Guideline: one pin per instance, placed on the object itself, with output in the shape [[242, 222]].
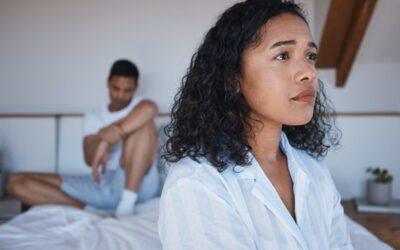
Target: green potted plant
[[379, 190]]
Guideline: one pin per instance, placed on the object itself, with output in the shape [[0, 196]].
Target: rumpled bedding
[[69, 228]]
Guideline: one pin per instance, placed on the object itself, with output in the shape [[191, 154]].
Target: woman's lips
[[307, 95]]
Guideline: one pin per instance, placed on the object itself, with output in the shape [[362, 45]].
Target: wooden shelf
[[385, 226]]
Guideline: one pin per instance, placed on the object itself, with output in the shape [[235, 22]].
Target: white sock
[[126, 205], [98, 211]]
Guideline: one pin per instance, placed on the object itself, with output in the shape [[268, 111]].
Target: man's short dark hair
[[124, 67]]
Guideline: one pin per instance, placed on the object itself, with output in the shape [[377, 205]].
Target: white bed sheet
[[68, 228]]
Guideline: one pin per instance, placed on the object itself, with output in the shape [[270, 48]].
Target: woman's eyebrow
[[291, 42], [312, 45], [281, 43]]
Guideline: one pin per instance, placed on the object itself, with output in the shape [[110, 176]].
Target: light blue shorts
[[107, 193]]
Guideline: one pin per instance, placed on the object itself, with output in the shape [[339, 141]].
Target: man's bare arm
[[90, 144], [143, 113]]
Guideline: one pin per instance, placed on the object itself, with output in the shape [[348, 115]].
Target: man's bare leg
[[139, 152], [35, 189]]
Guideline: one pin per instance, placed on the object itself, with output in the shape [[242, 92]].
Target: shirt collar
[[252, 171], [266, 193]]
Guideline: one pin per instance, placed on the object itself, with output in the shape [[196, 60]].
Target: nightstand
[[385, 226], [9, 208]]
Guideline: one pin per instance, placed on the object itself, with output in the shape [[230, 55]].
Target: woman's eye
[[312, 56], [282, 56]]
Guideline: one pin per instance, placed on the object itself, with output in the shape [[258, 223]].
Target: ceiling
[[382, 39], [381, 42]]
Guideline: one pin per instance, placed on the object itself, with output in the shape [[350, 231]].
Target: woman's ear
[[236, 85]]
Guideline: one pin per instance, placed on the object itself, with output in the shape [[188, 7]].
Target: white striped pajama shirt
[[203, 209]]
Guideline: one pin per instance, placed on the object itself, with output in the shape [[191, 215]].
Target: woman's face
[[279, 79]]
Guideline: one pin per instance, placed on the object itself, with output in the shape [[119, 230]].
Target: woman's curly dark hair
[[210, 117]]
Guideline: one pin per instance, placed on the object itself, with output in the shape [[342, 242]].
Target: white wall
[[55, 55]]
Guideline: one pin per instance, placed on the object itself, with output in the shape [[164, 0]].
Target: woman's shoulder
[[192, 172]]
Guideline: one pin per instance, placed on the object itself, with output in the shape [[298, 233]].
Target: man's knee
[[145, 138], [149, 129]]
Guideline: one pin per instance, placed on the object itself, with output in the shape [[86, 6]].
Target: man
[[119, 144]]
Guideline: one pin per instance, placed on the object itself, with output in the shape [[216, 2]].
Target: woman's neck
[[264, 141]]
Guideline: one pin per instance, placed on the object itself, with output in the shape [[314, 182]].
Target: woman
[[246, 140]]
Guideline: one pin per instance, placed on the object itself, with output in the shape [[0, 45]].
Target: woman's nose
[[305, 72]]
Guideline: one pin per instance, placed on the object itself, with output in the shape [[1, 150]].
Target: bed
[[69, 228]]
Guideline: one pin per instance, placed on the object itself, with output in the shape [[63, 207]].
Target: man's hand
[[100, 158], [111, 134]]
